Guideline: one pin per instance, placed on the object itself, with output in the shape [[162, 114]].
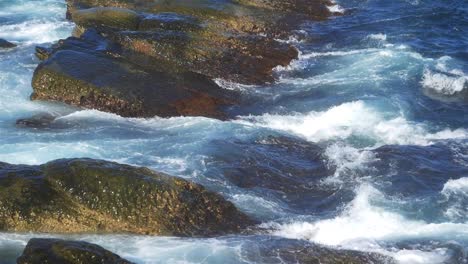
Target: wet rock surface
[[43, 120], [84, 195], [166, 54], [289, 168], [86, 72], [274, 250], [6, 44], [57, 251]]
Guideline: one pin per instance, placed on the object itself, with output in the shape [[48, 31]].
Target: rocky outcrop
[[57, 251], [84, 195], [166, 54], [6, 44], [87, 72]]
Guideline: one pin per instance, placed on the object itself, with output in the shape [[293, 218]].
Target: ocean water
[[362, 143]]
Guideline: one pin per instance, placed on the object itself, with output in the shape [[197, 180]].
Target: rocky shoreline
[[138, 58]]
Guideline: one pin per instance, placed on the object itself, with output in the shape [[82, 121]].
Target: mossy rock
[[119, 18], [243, 59], [57, 251], [313, 9], [95, 196], [81, 73], [213, 38], [169, 21]]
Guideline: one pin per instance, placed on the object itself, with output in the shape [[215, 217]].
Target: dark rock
[[419, 170], [43, 53], [57, 251], [279, 250], [84, 195], [37, 121], [81, 74], [289, 169], [6, 45]]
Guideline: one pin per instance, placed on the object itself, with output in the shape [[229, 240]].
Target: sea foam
[[355, 119], [364, 225], [445, 77]]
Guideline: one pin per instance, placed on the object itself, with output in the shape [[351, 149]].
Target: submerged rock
[[37, 121], [57, 251], [84, 195], [279, 250], [6, 44], [286, 169]]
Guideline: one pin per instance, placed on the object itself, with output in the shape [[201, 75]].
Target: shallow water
[[362, 144]]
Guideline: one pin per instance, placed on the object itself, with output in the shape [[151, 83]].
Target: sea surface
[[362, 143]]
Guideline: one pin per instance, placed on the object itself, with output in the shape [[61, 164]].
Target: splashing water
[[362, 143]]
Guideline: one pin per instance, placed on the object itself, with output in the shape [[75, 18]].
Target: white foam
[[293, 39], [43, 8], [258, 206], [234, 86], [336, 8], [337, 53], [443, 83], [456, 193], [36, 31], [379, 36], [446, 79], [363, 225], [456, 186], [407, 256], [354, 119], [347, 161]]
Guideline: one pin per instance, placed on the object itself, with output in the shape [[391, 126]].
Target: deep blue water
[[362, 143]]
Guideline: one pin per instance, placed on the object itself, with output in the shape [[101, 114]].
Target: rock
[[37, 121], [243, 59], [273, 249], [84, 73], [147, 58], [6, 45], [290, 170], [206, 37], [57, 251], [85, 195], [169, 21], [314, 9], [42, 53], [118, 18]]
